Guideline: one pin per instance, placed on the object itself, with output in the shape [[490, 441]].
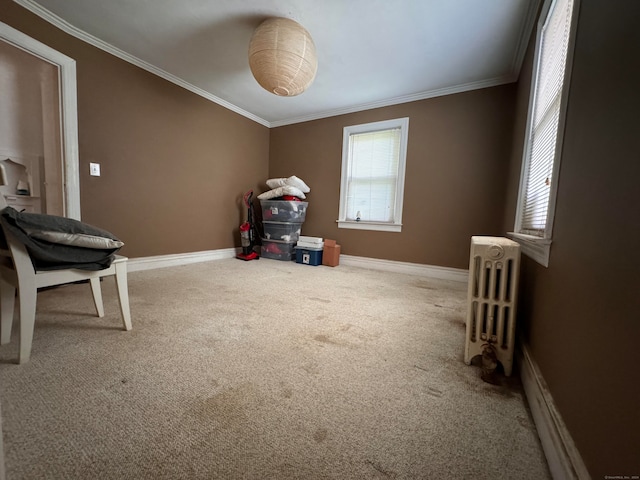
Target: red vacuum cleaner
[[248, 231]]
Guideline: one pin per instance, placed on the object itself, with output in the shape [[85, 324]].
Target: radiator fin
[[494, 265]]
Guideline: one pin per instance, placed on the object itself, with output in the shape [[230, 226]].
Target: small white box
[[311, 245], [314, 240]]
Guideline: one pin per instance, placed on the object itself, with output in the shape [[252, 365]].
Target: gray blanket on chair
[[32, 228]]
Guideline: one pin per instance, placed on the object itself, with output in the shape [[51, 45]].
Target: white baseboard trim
[[431, 271], [162, 261], [562, 455]]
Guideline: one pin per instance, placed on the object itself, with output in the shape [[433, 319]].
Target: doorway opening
[[52, 164]]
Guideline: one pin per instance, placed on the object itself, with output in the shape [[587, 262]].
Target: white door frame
[[68, 111]]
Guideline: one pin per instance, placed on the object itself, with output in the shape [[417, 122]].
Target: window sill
[[378, 226], [534, 247]]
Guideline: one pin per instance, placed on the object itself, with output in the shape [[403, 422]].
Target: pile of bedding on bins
[[283, 212]]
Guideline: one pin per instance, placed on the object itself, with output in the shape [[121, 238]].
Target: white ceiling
[[371, 53]]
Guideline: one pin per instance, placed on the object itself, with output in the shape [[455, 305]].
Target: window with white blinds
[[534, 216], [373, 166]]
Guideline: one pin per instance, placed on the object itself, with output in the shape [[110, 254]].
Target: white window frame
[[539, 247], [396, 224]]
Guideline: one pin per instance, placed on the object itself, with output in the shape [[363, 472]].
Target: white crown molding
[[439, 92], [563, 457], [96, 42], [431, 271], [50, 17], [528, 24]]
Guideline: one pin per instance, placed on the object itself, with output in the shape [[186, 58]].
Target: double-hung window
[[373, 168], [545, 123]]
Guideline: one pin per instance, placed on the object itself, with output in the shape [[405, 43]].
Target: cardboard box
[[331, 253]]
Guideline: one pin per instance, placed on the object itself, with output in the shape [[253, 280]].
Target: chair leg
[[97, 295], [123, 294], [27, 297], [7, 306]]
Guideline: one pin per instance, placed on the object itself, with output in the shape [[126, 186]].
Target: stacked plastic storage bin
[[282, 223]]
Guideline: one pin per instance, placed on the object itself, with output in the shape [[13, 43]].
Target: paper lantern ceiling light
[[282, 57]]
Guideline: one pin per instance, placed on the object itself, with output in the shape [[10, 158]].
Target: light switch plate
[[94, 169]]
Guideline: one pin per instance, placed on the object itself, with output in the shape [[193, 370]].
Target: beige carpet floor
[[261, 370]]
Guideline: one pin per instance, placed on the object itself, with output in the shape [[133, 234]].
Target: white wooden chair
[[17, 272]]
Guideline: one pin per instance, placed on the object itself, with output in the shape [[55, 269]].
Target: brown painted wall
[[174, 165], [581, 315], [458, 149]]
